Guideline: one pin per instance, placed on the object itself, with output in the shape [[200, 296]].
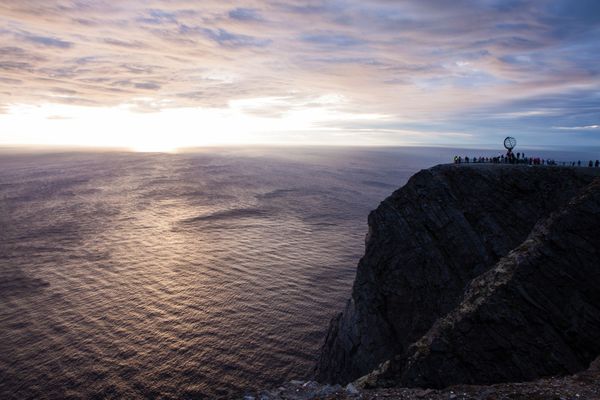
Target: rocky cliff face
[[413, 301], [536, 313]]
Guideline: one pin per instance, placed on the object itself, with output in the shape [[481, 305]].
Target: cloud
[[10, 81], [158, 17], [147, 86], [578, 128], [13, 52], [245, 14], [331, 39], [49, 41], [226, 38], [15, 66], [124, 43], [521, 65], [57, 117], [313, 8]]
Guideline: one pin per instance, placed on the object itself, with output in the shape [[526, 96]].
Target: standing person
[[597, 163]]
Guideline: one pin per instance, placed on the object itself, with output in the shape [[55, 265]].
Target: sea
[[206, 273]]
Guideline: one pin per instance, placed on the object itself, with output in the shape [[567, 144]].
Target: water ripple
[[175, 276]]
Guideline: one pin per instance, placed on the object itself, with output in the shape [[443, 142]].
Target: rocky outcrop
[[536, 313], [426, 243]]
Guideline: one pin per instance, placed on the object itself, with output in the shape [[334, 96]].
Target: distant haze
[[160, 75]]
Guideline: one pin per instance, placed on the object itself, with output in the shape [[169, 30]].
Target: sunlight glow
[[248, 121]]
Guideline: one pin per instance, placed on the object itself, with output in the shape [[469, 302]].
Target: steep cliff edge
[[426, 243], [536, 313]]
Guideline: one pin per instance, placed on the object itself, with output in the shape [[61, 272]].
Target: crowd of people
[[520, 158]]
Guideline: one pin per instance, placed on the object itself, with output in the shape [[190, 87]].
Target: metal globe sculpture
[[510, 143]]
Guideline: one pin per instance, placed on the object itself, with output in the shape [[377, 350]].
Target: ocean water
[[192, 275]]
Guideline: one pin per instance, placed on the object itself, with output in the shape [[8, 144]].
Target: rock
[[426, 242], [535, 313], [311, 385], [327, 390], [585, 384], [352, 390], [423, 393]]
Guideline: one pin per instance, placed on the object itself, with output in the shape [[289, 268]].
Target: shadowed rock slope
[[536, 313], [429, 240]]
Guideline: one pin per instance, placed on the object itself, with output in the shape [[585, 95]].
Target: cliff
[[474, 274]]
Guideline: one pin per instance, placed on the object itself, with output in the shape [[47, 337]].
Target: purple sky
[[184, 73]]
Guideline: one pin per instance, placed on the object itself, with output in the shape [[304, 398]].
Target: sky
[[163, 74]]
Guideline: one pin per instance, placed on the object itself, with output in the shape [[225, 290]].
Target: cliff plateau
[[474, 274]]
